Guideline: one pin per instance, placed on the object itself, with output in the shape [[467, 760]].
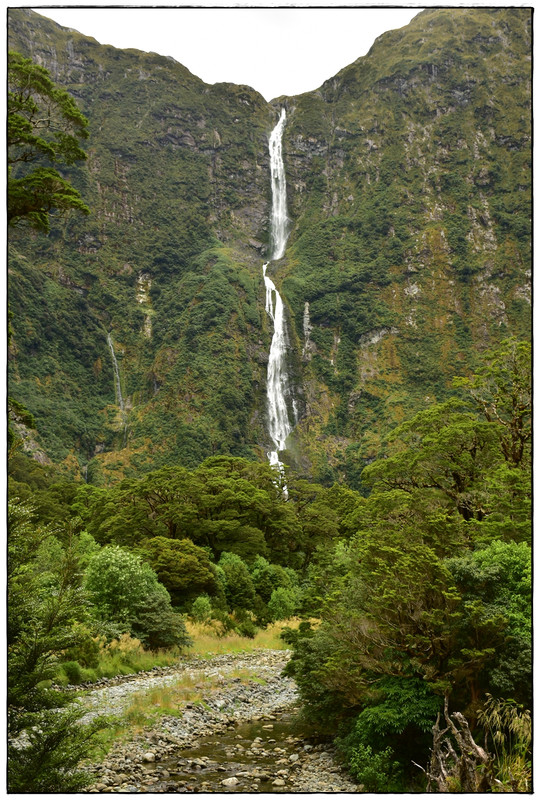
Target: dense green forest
[[398, 536]]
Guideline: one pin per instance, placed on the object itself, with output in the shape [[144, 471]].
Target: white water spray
[[279, 426], [279, 220]]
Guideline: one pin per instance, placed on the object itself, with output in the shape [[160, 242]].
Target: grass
[[208, 642], [126, 655], [123, 656]]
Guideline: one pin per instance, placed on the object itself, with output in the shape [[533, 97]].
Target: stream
[[244, 736]]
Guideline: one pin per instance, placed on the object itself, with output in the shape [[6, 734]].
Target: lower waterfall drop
[[279, 426]]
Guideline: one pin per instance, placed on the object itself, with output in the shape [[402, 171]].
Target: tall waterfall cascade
[[279, 424]]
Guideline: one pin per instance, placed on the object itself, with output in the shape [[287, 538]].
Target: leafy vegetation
[[43, 123], [144, 527], [430, 597]]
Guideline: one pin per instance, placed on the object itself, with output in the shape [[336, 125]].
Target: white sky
[[275, 50]]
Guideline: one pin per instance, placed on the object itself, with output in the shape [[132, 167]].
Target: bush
[[73, 672], [282, 603], [157, 625], [239, 588], [374, 770], [118, 582], [86, 652], [247, 628], [201, 610], [225, 620]]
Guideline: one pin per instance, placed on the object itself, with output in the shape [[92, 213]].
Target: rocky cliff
[[408, 188]]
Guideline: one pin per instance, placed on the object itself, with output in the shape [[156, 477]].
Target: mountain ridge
[[170, 261]]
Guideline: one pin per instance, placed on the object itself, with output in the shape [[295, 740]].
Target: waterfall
[[279, 426], [117, 387], [279, 220]]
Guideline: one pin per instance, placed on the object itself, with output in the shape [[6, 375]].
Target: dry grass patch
[[209, 640]]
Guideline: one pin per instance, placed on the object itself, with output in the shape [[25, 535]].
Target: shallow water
[[254, 753]]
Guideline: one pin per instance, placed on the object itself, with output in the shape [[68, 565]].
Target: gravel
[[145, 763]]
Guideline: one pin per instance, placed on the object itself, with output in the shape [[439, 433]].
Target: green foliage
[[86, 653], [375, 771], [429, 595], [239, 588], [43, 123], [201, 608], [72, 670], [283, 603], [225, 504], [495, 630], [157, 625], [247, 628], [119, 583], [182, 567], [48, 760], [44, 607]]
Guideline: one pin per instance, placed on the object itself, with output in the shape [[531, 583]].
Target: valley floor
[[241, 734]]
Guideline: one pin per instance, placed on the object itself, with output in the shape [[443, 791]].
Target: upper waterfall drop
[[279, 425], [279, 223]]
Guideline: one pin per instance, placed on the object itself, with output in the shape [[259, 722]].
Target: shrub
[[282, 603], [376, 771], [158, 625], [239, 588], [201, 610], [118, 582], [73, 672], [85, 652], [247, 628]]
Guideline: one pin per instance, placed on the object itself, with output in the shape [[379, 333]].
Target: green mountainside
[[408, 180]]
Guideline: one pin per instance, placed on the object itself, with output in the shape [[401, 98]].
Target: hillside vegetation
[[142, 509], [408, 187]]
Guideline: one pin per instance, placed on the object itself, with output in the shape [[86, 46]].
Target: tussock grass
[[208, 639], [123, 656]]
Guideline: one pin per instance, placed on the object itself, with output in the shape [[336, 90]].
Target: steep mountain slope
[[411, 198], [408, 190], [176, 180]]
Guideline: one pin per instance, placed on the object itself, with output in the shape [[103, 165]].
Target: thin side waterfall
[[118, 387], [279, 425]]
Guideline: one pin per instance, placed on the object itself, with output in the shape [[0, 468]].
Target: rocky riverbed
[[242, 736]]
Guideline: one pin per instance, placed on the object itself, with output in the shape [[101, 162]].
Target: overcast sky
[[275, 50]]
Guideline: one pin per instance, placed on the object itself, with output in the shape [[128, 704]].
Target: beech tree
[[44, 126]]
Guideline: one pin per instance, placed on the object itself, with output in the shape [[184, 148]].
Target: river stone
[[149, 757], [230, 781], [294, 757], [278, 782]]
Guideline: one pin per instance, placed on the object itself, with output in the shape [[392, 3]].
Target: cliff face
[[408, 188], [411, 196]]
